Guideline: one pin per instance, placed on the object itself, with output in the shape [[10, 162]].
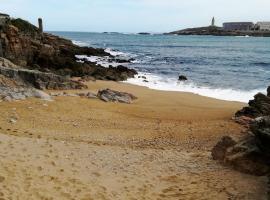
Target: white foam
[[120, 54], [103, 61], [80, 43], [160, 83]]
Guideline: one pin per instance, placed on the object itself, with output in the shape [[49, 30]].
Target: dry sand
[[156, 148]]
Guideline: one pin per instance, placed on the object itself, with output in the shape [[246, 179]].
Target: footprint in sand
[[2, 179]]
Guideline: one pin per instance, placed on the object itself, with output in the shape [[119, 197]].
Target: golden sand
[[156, 148]]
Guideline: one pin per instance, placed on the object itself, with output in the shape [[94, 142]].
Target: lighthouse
[[213, 21]]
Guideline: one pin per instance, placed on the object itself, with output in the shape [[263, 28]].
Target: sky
[[134, 15]]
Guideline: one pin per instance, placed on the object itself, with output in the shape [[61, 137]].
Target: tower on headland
[[213, 21], [40, 25]]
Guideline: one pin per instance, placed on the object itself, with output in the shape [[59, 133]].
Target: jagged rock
[[182, 78], [261, 129], [39, 79], [246, 157], [243, 156], [258, 107], [243, 120], [25, 46], [115, 96]]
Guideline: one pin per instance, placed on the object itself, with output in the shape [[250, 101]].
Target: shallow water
[[229, 68]]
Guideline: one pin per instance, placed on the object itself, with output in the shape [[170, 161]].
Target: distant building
[[213, 21], [3, 19], [238, 26], [263, 26]]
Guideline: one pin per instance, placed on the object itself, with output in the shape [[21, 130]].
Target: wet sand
[[156, 148]]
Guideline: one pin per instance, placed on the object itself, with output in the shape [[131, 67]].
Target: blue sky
[[134, 15]]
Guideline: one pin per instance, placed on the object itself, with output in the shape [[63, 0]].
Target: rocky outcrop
[[17, 83], [115, 96], [252, 153], [261, 130], [25, 46], [258, 107], [11, 89], [40, 80]]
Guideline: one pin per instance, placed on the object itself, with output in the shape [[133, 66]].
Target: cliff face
[[24, 45]]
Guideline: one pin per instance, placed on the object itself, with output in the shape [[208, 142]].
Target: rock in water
[[182, 78], [115, 96]]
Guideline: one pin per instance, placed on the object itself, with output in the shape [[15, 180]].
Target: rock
[[24, 45], [243, 156], [219, 151], [42, 95], [258, 107], [12, 121], [243, 120], [246, 157], [268, 91], [261, 129], [182, 78], [40, 80], [115, 96], [91, 95]]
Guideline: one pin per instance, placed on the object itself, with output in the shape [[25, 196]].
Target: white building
[[263, 26]]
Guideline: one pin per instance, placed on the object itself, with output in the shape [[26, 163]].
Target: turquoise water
[[232, 67]]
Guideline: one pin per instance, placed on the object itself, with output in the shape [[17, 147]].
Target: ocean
[[227, 68]]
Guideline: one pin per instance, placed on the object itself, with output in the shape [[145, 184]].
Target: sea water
[[228, 68]]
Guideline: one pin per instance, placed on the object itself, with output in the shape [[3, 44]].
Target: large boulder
[[261, 129], [109, 95]]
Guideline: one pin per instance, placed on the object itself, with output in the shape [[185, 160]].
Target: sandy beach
[[156, 148]]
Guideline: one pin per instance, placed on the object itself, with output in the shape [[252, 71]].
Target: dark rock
[[182, 78], [246, 157], [243, 156], [24, 45], [219, 151], [258, 107], [144, 33], [268, 91], [261, 129], [243, 120], [115, 96]]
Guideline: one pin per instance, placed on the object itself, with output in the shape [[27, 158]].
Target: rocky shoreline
[[35, 60]]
